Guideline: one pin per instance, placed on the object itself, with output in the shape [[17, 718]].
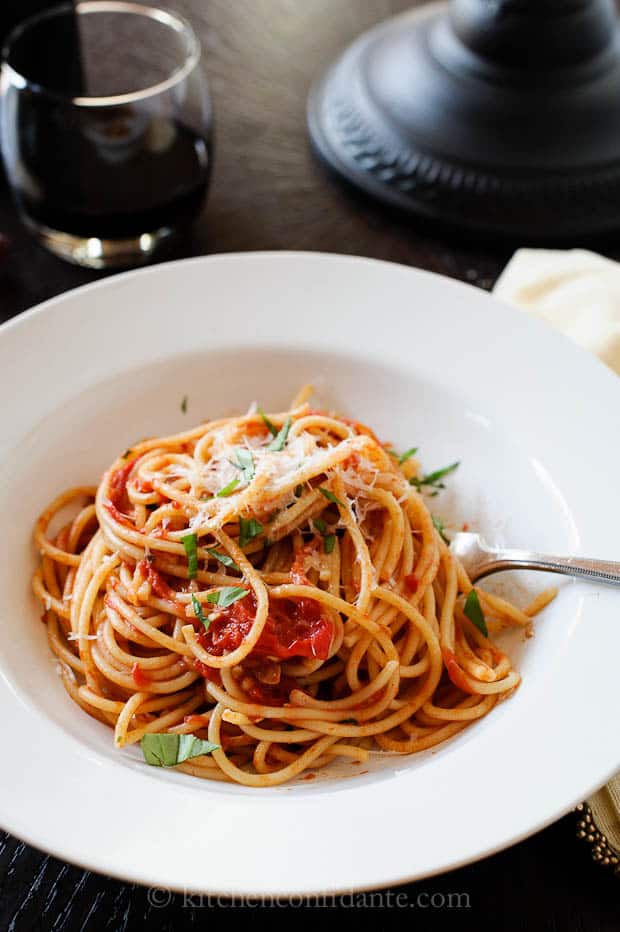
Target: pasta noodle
[[275, 586]]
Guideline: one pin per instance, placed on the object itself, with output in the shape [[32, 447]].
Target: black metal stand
[[501, 116]]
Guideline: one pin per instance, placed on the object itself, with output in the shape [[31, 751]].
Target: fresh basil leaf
[[473, 611], [433, 479], [268, 424], [440, 528], [226, 596], [224, 559], [244, 462], [279, 440], [329, 540], [198, 612], [168, 750], [407, 456], [248, 529], [330, 496], [229, 489], [190, 542], [191, 746], [184, 401]]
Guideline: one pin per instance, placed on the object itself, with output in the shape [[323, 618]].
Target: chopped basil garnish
[[190, 542], [407, 456], [473, 611], [167, 750], [184, 404], [244, 462], [440, 528], [433, 479], [329, 540], [249, 528], [298, 490], [268, 424], [224, 559], [198, 612], [401, 457], [226, 596], [229, 489], [279, 440], [330, 496], [127, 454]]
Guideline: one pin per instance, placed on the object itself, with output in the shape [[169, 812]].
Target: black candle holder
[[500, 116]]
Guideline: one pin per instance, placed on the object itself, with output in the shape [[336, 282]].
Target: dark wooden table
[[268, 192]]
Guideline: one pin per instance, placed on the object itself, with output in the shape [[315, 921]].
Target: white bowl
[[426, 361]]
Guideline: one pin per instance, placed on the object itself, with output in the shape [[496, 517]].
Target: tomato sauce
[[118, 486], [118, 501], [309, 610], [209, 673], [143, 485], [139, 677], [268, 694], [196, 721], [454, 671], [158, 584], [118, 516], [294, 628]]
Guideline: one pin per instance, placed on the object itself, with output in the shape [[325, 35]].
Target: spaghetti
[[275, 587]]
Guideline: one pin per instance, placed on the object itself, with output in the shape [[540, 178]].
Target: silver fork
[[481, 560]]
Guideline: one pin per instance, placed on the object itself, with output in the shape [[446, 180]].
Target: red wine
[[109, 172], [114, 181]]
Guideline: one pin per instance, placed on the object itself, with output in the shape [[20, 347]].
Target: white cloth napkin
[[578, 293]]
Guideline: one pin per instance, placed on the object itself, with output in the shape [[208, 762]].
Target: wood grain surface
[[268, 192]]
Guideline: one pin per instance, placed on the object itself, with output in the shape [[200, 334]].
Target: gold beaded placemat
[[599, 825]]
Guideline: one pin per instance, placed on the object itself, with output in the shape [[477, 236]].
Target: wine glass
[[105, 128]]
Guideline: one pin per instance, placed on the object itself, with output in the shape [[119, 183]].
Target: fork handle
[[603, 571]]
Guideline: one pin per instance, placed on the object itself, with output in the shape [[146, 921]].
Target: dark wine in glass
[[107, 141]]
